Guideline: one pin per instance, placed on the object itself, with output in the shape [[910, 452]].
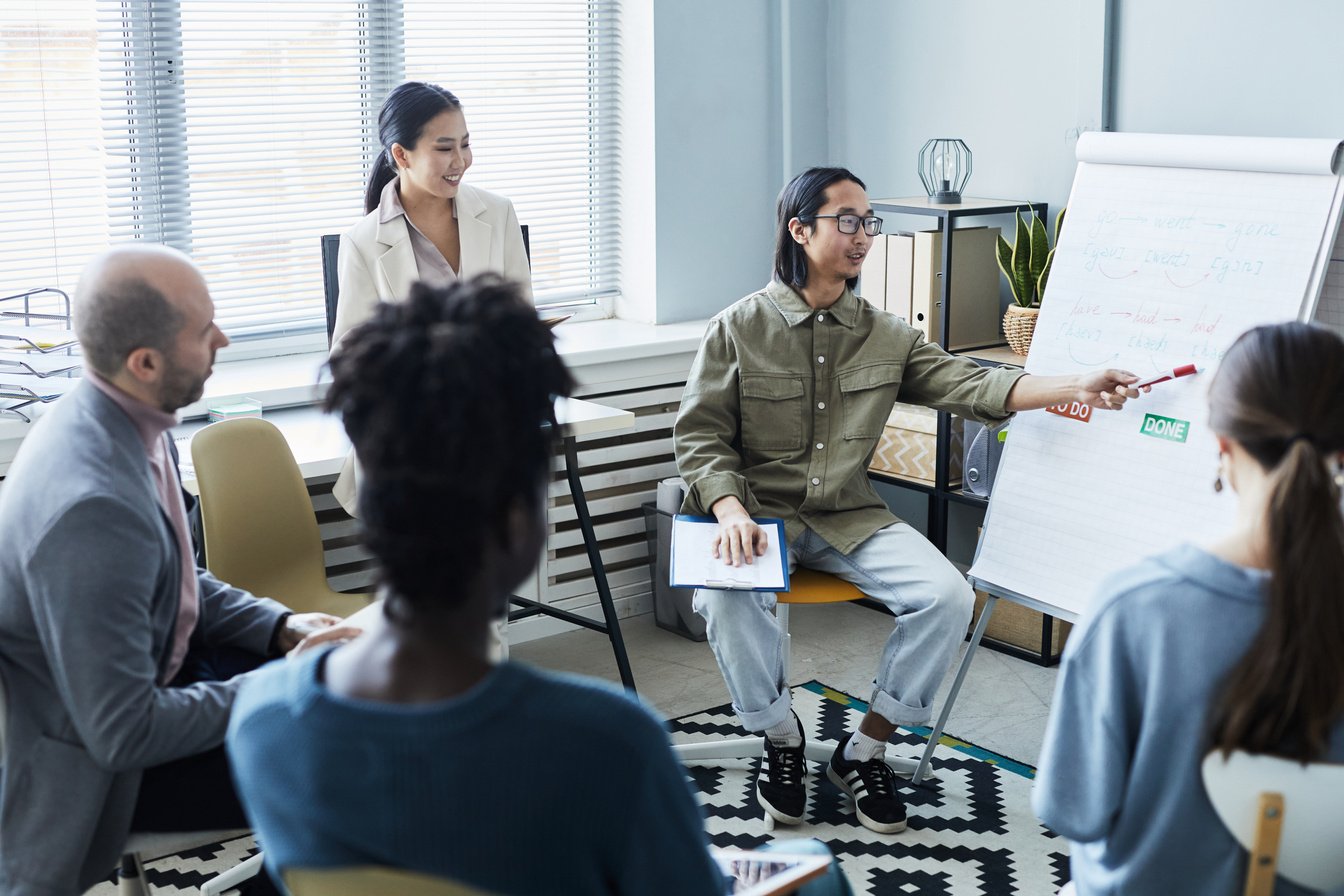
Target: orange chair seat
[[807, 586]]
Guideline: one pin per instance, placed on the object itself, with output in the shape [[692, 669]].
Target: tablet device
[[767, 873]]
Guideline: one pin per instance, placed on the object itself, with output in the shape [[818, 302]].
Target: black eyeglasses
[[872, 225]]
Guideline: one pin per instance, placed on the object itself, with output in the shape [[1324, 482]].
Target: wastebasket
[[671, 606]]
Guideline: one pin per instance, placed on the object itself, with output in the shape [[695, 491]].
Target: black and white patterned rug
[[971, 830], [184, 872]]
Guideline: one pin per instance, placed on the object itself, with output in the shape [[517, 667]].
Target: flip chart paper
[[1156, 267]]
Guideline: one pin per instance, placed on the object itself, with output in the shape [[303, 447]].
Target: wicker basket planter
[[1018, 325]]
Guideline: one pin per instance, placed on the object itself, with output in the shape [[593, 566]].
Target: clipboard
[[693, 566]]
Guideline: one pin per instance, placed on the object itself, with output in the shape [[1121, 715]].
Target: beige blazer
[[377, 264]]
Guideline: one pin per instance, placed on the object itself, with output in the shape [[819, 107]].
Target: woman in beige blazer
[[422, 222]]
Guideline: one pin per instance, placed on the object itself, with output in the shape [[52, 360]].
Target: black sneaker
[[872, 784], [781, 784]]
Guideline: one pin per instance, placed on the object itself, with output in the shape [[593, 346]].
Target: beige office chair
[[365, 881], [260, 530], [806, 586], [1287, 815]]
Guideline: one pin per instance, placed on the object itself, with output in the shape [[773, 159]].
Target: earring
[[1218, 479]]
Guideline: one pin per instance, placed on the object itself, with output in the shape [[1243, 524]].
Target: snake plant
[[1026, 263]]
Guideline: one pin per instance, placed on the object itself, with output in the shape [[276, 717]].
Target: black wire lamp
[[944, 167]]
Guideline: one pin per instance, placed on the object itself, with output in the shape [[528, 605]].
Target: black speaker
[[981, 459]]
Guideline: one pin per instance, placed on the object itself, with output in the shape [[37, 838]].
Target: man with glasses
[[784, 406]]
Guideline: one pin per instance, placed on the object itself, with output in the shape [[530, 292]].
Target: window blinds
[[538, 85], [234, 131], [242, 130], [53, 218]]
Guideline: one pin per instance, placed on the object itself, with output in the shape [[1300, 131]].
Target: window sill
[[302, 378], [604, 355]]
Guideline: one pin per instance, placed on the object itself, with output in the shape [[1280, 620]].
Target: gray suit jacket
[[89, 593]]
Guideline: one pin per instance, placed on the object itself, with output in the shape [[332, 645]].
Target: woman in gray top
[[1230, 647]]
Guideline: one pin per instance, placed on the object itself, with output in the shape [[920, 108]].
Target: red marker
[[1183, 370]]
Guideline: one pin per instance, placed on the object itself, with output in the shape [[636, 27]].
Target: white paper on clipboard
[[695, 566]]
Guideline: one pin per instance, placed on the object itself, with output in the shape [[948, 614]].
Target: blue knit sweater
[[530, 783]]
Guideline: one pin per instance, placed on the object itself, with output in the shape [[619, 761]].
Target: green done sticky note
[[1168, 428]]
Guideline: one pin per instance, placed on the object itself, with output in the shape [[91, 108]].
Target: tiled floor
[[1002, 707]]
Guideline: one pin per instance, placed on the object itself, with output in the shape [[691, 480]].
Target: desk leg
[[922, 769], [595, 561]]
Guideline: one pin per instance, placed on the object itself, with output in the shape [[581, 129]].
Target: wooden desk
[[319, 445], [317, 441]]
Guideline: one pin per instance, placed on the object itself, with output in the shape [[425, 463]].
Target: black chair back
[[331, 246]]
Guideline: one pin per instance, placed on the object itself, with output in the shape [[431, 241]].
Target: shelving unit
[[941, 495], [39, 358]]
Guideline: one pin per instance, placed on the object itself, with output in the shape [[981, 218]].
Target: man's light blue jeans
[[932, 603]]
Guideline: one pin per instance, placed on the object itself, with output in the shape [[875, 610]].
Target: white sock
[[862, 748], [786, 733]]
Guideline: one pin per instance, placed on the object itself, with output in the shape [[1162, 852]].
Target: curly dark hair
[[448, 400]]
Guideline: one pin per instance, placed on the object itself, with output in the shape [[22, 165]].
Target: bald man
[[115, 649]]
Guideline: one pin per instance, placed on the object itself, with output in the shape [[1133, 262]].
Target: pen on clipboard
[[1183, 370]]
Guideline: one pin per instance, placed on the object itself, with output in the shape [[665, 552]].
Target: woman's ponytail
[[1277, 395], [405, 112], [379, 175]]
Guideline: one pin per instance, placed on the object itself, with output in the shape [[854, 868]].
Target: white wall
[[862, 89], [1237, 67], [1004, 77], [717, 130], [719, 110], [806, 127], [871, 80]]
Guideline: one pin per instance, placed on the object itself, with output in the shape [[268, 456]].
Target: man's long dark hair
[[801, 199], [448, 400]]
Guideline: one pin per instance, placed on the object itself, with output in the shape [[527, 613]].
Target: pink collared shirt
[[433, 268], [153, 424]]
